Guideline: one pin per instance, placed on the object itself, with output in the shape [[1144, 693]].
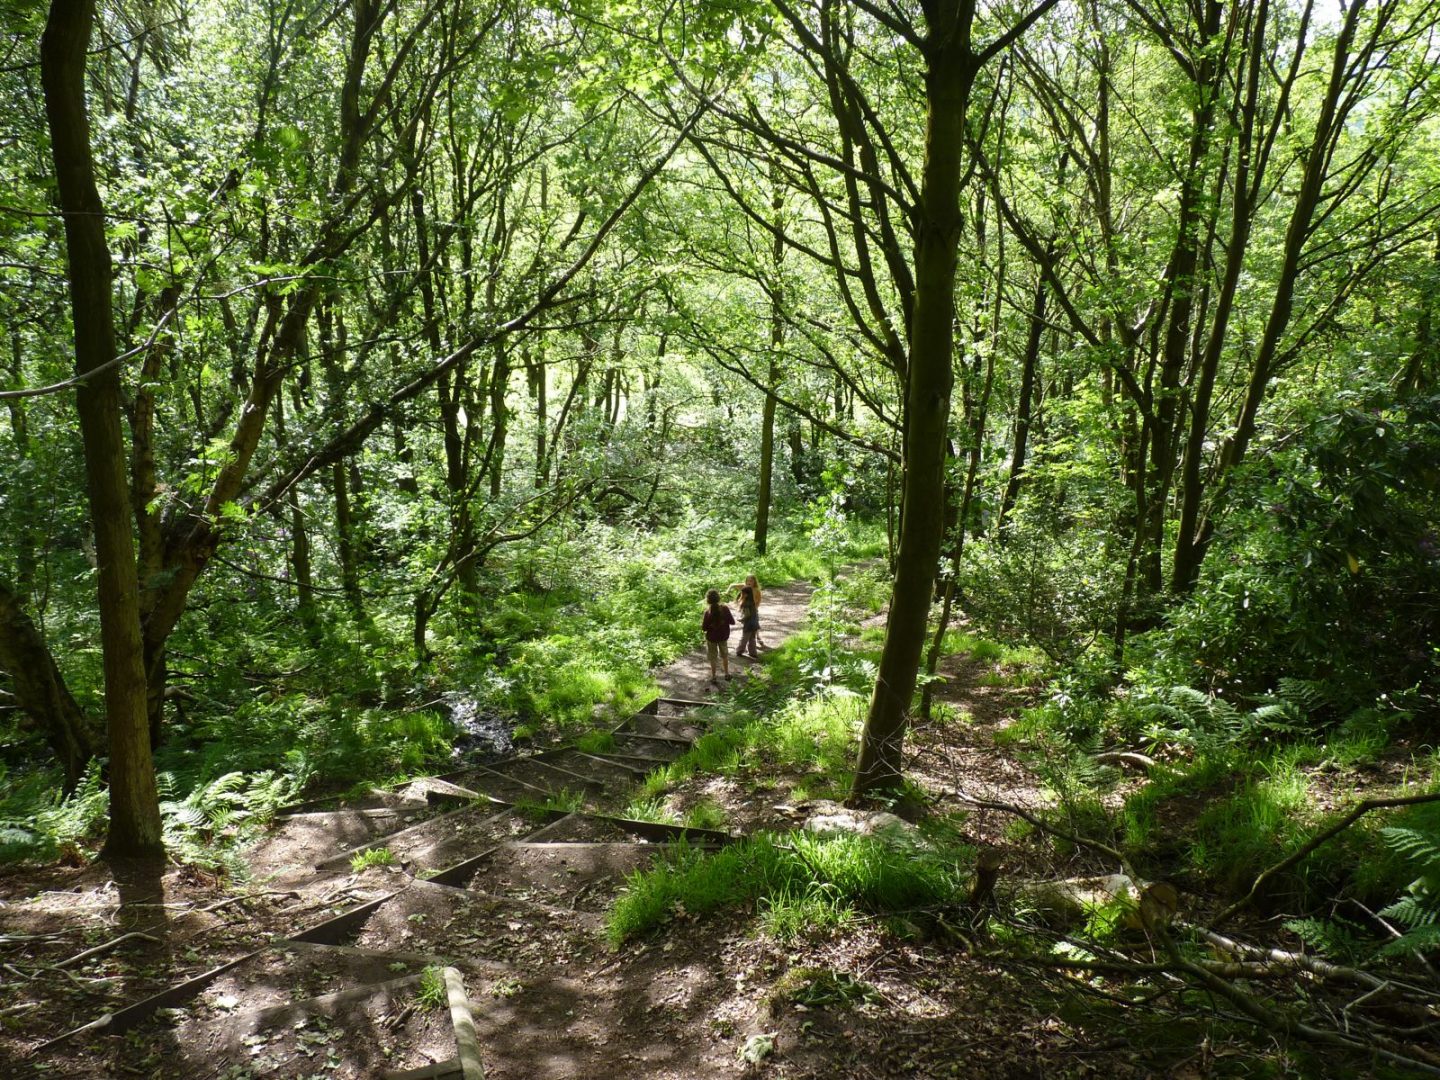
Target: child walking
[[749, 623], [754, 587], [716, 625]]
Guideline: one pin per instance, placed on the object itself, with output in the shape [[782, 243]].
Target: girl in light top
[[749, 623], [754, 587]]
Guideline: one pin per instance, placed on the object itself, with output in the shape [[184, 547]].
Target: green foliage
[[705, 814], [563, 801], [206, 828], [1047, 583], [432, 993], [36, 824], [815, 737], [792, 879], [372, 857], [208, 825], [650, 809], [595, 742], [1418, 909], [817, 988], [1329, 570]]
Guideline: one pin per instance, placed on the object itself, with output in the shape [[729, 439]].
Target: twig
[[1359, 811], [1044, 826], [1395, 935], [101, 949], [1127, 757]]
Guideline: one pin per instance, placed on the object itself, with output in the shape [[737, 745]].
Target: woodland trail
[[478, 899]]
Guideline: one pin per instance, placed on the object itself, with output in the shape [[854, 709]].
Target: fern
[[1416, 939], [1419, 908], [1417, 846], [1333, 938], [209, 825]]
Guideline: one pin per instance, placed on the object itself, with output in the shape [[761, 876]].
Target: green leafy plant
[[432, 993], [1418, 909], [372, 857]]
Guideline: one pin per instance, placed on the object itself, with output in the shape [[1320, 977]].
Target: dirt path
[[782, 612]]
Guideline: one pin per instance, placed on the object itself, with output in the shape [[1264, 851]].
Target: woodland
[[386, 383]]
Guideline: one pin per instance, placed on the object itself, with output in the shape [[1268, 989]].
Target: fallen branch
[[1360, 810], [1046, 827], [1279, 1019], [1321, 969], [1143, 762], [100, 950]]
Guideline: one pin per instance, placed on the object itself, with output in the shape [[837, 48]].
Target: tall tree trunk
[[767, 416], [345, 540], [499, 417], [1189, 546], [948, 78], [1029, 363], [767, 462], [134, 804], [541, 377], [1333, 112]]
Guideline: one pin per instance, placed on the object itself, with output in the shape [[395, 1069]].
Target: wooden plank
[[122, 1020], [467, 1045], [390, 840]]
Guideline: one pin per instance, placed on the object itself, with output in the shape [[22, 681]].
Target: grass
[[797, 881], [432, 993], [595, 742], [706, 814], [816, 737], [364, 860], [650, 809]]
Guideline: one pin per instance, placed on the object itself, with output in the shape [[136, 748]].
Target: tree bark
[[1029, 364], [40, 690], [948, 79], [134, 805]]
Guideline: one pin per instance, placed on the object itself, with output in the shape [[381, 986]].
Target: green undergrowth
[[814, 739], [795, 882], [564, 801], [1236, 789], [581, 623], [206, 827]]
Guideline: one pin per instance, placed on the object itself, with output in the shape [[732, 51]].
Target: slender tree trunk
[[1023, 409], [1189, 545], [949, 75], [345, 540], [1333, 111], [134, 804], [499, 417], [767, 463], [542, 465]]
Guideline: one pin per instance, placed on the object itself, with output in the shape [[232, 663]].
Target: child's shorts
[[714, 649]]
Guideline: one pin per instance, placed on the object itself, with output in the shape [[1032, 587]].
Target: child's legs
[[724, 647], [712, 649]]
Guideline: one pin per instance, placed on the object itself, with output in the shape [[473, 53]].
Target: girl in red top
[[716, 625]]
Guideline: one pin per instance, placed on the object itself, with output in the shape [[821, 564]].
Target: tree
[[134, 804]]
